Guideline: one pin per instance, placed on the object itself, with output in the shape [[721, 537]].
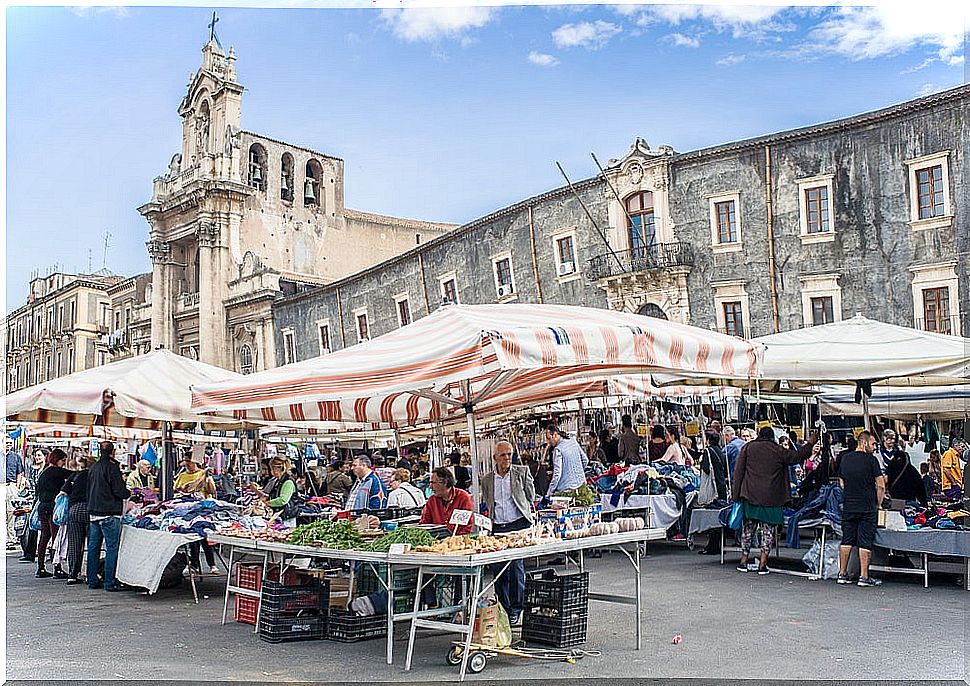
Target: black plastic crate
[[275, 628], [563, 593], [558, 632], [348, 627], [368, 581], [280, 599]]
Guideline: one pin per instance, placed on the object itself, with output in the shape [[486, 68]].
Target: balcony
[[187, 302], [946, 324], [639, 260]]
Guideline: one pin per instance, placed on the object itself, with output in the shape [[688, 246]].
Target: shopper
[[903, 482], [761, 484], [674, 453], [463, 477], [952, 475], [887, 449], [508, 494], [714, 464], [568, 461], [76, 489], [16, 478], [864, 487], [338, 483], [49, 484], [369, 493], [403, 493], [141, 476], [610, 446], [629, 447], [34, 467], [446, 498], [657, 445], [195, 481], [106, 501]]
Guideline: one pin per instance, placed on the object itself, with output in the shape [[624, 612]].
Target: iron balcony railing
[[656, 256]]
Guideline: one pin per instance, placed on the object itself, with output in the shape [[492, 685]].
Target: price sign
[[399, 548], [460, 517], [483, 522]]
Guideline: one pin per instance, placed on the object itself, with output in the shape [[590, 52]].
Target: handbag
[[60, 509], [34, 521], [731, 517]]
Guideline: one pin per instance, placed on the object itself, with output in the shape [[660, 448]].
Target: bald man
[[509, 493]]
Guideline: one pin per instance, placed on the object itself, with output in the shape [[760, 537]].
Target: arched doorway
[[652, 310]]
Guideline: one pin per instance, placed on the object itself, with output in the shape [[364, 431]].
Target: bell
[[257, 174], [308, 195], [285, 182]]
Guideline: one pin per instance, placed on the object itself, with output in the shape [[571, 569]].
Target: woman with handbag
[[49, 484], [76, 489]]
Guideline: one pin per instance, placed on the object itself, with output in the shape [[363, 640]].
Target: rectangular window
[[104, 314], [733, 319], [59, 368], [449, 291], [823, 311], [289, 347], [363, 332], [61, 324], [726, 222], [929, 182], [936, 310], [324, 333], [73, 306], [117, 320], [817, 209], [70, 360], [566, 251], [403, 312], [503, 272]]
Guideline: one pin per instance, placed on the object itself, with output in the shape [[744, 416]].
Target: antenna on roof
[[107, 242]]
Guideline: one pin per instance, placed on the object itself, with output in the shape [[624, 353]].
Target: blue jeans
[[510, 585], [109, 531]]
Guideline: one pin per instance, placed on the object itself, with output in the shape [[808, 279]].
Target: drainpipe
[[340, 319], [535, 257], [771, 241], [424, 285]]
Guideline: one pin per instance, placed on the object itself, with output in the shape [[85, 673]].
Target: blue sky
[[441, 114]]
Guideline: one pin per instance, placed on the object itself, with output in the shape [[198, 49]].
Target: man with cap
[[887, 449]]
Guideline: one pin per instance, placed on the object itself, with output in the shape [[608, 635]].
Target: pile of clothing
[[183, 515], [822, 505], [918, 517], [645, 479]]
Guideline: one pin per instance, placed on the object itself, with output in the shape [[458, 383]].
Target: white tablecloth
[[143, 555], [664, 507]]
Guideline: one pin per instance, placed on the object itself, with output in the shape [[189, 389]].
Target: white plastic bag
[[830, 560]]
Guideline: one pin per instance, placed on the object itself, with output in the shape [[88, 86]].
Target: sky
[[442, 114]]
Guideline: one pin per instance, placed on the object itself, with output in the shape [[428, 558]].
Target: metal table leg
[[472, 612], [390, 613], [926, 570], [225, 602], [414, 625], [636, 564]]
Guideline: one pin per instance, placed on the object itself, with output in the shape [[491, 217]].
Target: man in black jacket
[[106, 502]]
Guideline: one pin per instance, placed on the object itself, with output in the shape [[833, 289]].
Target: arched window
[[257, 166], [202, 141], [312, 184], [286, 177], [245, 359], [652, 310], [641, 227]]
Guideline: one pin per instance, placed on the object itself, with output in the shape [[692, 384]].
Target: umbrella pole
[[166, 482], [865, 411], [473, 449]]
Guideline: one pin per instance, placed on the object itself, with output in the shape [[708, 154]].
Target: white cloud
[[926, 89], [680, 40], [90, 11], [868, 32], [587, 34], [431, 24], [542, 59], [730, 60]]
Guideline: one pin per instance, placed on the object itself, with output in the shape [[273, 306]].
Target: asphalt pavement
[[733, 626]]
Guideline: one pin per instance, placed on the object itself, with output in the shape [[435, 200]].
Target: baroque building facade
[[240, 219], [867, 214], [59, 330]]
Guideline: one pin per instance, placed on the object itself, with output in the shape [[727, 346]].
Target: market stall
[[926, 543], [143, 556]]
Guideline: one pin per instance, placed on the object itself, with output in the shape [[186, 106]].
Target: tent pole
[[865, 411], [473, 449], [167, 477]]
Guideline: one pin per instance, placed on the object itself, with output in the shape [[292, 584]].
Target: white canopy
[[138, 392], [936, 402]]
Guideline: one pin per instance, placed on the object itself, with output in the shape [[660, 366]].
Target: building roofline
[[292, 145], [402, 222], [438, 240], [81, 280], [854, 121]]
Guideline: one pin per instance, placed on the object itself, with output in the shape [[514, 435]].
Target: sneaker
[[742, 567], [678, 537], [59, 574], [516, 619], [42, 574], [73, 581], [843, 580], [215, 571], [865, 581], [96, 586]]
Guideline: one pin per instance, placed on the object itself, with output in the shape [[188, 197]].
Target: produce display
[[581, 496], [411, 535], [337, 535], [620, 525]]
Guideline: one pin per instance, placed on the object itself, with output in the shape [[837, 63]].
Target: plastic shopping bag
[[60, 509], [731, 516], [492, 626], [34, 521]]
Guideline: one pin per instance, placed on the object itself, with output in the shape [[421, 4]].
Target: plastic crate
[[284, 599], [347, 627], [250, 576], [558, 632], [275, 628], [561, 593], [368, 582], [246, 609]]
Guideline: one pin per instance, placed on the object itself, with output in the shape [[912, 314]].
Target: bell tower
[[210, 114]]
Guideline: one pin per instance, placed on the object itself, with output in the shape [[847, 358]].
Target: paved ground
[[734, 626]]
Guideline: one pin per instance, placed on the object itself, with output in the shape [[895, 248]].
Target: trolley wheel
[[476, 662], [453, 657]]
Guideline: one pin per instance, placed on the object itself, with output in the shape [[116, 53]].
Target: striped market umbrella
[[462, 355]]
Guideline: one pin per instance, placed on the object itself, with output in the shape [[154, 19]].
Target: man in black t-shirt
[[864, 486]]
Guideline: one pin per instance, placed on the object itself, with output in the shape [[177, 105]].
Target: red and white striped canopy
[[144, 391], [416, 374]]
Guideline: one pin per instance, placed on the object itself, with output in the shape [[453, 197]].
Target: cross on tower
[[212, 26]]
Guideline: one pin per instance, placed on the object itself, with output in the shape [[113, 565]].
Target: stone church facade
[[867, 214], [241, 219]]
